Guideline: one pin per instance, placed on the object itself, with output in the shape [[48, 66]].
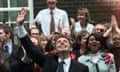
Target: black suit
[[49, 62]]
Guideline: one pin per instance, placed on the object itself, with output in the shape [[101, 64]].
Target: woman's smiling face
[[93, 44]]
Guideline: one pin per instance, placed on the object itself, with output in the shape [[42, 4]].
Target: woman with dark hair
[[95, 58]]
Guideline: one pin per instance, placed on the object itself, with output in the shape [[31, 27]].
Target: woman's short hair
[[86, 11]]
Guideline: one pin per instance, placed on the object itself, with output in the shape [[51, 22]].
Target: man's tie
[[97, 67], [60, 67], [6, 48], [52, 24]]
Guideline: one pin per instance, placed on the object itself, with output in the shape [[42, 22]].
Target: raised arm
[[115, 24], [31, 50], [113, 27], [21, 16], [110, 29]]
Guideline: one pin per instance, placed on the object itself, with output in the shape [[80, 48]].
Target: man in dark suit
[[50, 62], [2, 67], [11, 54]]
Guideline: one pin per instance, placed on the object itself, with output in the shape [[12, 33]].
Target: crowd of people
[[61, 45]]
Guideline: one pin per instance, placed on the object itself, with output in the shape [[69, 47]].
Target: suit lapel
[[13, 49], [71, 67], [55, 63], [51, 63], [74, 67], [4, 56], [17, 51]]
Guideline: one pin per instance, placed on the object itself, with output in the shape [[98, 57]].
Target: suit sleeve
[[33, 51]]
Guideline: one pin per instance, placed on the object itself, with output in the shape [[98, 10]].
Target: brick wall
[[100, 10]]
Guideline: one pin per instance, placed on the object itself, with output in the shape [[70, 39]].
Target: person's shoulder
[[83, 57], [78, 22], [110, 54], [43, 10], [79, 66], [77, 63], [89, 24]]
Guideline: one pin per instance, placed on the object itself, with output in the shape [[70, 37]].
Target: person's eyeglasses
[[101, 30], [51, 2]]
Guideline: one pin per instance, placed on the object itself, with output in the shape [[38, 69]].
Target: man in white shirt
[[44, 18]]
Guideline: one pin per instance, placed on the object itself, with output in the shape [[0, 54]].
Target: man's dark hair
[[7, 29]]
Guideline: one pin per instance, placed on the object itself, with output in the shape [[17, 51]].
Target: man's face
[[116, 40], [3, 36], [35, 33], [63, 45], [51, 3], [99, 29]]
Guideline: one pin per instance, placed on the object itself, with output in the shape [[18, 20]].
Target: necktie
[[6, 48], [60, 67], [52, 24], [97, 67]]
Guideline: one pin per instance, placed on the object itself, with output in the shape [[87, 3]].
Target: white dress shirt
[[44, 18], [66, 66], [9, 44], [78, 27]]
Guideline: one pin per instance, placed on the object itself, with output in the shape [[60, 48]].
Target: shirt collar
[[53, 9], [94, 57], [67, 60], [9, 43]]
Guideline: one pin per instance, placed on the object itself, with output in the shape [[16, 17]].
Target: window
[[9, 9]]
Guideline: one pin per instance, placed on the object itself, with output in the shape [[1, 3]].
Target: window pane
[[18, 3], [13, 15], [3, 3], [3, 16]]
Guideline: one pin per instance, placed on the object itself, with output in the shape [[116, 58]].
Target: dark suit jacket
[[50, 61], [2, 68], [13, 61]]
